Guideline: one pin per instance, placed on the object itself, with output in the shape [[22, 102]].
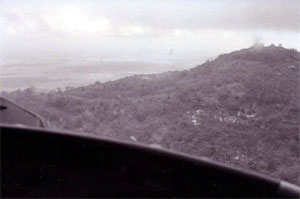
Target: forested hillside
[[241, 109]]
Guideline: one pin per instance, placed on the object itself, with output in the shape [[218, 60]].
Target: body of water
[[51, 73]]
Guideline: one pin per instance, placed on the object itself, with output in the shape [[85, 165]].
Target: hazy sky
[[140, 28]]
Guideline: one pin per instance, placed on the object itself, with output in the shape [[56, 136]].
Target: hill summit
[[241, 109]]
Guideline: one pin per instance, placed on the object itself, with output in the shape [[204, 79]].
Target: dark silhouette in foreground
[[241, 109]]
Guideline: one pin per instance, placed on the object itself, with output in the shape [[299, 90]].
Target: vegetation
[[241, 109]]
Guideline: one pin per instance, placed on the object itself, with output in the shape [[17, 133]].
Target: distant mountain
[[241, 109]]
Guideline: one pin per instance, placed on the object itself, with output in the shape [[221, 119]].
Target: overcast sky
[[143, 28]]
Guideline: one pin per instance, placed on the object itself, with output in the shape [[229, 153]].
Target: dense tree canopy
[[241, 109]]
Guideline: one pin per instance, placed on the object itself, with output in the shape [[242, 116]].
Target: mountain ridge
[[241, 108]]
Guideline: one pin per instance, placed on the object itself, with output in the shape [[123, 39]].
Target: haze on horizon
[[138, 30]]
